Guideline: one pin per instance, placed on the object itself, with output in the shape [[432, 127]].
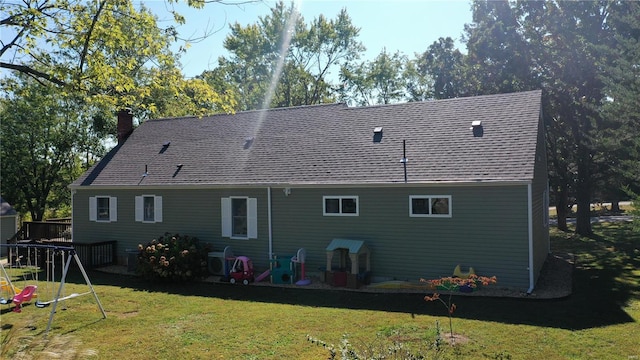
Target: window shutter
[[226, 216], [252, 218], [113, 208], [139, 208], [158, 208], [93, 208]]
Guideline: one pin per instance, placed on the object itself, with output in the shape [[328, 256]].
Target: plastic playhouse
[[349, 251]]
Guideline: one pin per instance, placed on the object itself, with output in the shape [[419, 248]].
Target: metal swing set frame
[[71, 255]]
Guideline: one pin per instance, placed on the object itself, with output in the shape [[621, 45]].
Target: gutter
[[530, 231]]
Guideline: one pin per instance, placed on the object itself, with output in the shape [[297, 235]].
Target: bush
[[172, 258]]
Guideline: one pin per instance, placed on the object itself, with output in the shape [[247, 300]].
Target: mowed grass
[[600, 320]]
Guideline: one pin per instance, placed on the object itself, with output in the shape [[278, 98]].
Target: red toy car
[[241, 271]]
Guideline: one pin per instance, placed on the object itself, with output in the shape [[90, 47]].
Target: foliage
[[109, 52], [452, 284], [563, 48], [283, 61], [48, 139], [380, 81], [445, 65], [379, 349], [172, 258]]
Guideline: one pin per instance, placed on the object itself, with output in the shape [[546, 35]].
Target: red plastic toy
[[241, 271]]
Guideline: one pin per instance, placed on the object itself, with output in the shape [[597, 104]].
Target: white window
[[340, 206], [103, 208], [149, 208], [239, 217], [430, 205]]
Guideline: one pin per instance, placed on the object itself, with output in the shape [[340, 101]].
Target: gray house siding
[[8, 228], [540, 206], [194, 212], [488, 230]]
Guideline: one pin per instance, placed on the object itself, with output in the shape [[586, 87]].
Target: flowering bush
[[452, 284], [172, 258]]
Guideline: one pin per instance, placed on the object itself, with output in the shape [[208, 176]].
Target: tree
[[108, 51], [559, 47], [45, 138], [620, 142], [283, 61], [380, 81], [73, 64], [445, 65]]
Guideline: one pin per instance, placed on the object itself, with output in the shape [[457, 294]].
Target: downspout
[[269, 220], [530, 231], [73, 192]]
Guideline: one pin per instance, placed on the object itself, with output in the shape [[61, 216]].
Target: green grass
[[213, 321]]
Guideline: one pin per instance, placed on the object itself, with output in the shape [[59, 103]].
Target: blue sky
[[408, 26]]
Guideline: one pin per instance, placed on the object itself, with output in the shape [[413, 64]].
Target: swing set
[[52, 255]]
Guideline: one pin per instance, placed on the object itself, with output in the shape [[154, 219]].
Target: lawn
[[202, 320]]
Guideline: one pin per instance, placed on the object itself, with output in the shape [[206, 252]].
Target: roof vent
[[165, 146], [248, 141], [377, 134], [476, 127]]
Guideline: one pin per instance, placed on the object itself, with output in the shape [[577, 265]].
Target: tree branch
[[30, 71], [85, 48]]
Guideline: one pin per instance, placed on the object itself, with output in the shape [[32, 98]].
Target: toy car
[[241, 271]]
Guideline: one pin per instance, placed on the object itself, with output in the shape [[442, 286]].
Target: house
[[425, 185], [8, 224]]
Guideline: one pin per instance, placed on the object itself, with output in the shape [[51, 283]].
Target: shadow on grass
[[603, 283]]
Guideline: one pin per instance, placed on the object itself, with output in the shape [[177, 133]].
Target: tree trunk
[[562, 206], [583, 195], [615, 206]]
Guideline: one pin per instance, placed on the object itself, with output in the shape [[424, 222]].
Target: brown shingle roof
[[333, 144]]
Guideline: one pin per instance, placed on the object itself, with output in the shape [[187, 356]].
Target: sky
[[408, 26]]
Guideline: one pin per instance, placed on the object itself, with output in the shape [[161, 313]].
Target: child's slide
[[263, 276]]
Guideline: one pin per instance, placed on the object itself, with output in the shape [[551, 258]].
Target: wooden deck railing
[[38, 230], [58, 233]]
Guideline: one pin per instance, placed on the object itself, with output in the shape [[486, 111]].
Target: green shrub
[[172, 258]]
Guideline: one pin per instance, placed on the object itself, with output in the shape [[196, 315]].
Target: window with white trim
[[340, 206], [430, 205], [239, 217], [148, 208], [103, 208]]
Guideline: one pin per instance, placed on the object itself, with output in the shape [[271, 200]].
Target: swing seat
[[24, 296]]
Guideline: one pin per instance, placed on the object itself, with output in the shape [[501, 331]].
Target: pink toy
[[242, 271], [263, 276], [25, 295]]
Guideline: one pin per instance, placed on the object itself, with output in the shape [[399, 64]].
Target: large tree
[[47, 141], [445, 66], [620, 142], [380, 81], [283, 61], [108, 51], [71, 65], [559, 47]]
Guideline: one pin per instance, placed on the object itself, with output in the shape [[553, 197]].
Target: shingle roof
[[6, 209], [333, 144]]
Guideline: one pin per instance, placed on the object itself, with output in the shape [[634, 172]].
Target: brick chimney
[[125, 124]]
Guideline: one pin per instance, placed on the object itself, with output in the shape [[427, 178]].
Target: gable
[[333, 144]]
